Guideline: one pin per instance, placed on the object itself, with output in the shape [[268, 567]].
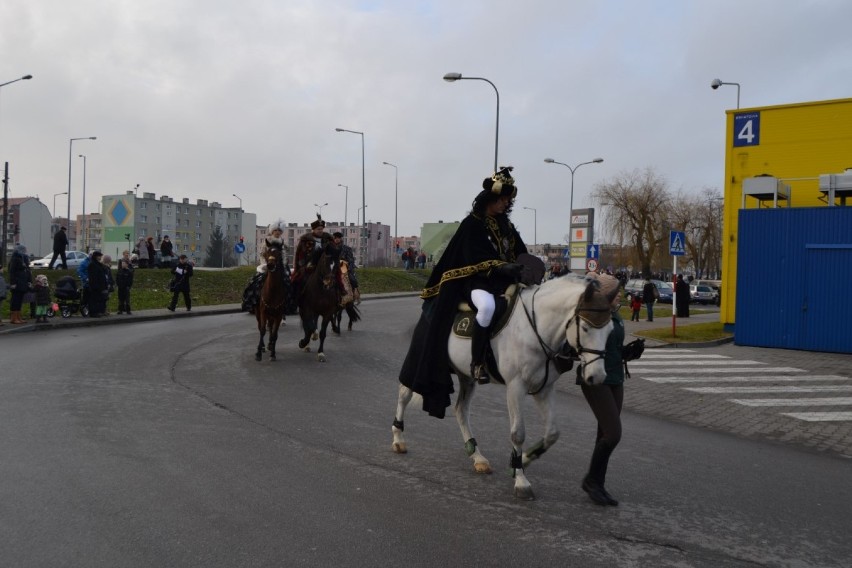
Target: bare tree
[[637, 205]]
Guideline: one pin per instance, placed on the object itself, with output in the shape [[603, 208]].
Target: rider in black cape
[[478, 263]]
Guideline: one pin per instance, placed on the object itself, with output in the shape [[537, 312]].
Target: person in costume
[[348, 281], [308, 251], [273, 239], [478, 264]]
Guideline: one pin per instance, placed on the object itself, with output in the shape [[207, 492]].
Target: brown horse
[[273, 302], [347, 301], [319, 297]]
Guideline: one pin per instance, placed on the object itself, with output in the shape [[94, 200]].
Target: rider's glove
[[512, 270]]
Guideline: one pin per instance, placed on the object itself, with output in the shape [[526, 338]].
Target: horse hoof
[[482, 467], [302, 344], [321, 357], [525, 493], [314, 336], [399, 448], [273, 358], [257, 357]]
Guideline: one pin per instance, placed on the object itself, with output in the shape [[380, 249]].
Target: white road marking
[[839, 401], [693, 362], [680, 370], [820, 416], [647, 355], [740, 378], [779, 390]]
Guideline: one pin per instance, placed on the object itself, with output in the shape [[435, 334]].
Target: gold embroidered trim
[[457, 273]]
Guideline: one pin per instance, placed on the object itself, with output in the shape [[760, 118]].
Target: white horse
[[568, 308]]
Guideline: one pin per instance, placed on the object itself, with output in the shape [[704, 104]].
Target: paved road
[[165, 443]]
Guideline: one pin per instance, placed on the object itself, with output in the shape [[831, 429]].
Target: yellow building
[[796, 144]]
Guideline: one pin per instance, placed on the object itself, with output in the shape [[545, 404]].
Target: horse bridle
[[573, 352]]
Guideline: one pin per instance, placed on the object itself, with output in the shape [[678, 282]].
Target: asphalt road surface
[[164, 443]]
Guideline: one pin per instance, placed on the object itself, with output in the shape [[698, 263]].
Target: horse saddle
[[464, 320]]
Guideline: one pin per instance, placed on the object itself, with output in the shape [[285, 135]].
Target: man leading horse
[[477, 266]]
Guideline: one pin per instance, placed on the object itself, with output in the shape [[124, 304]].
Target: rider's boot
[[478, 349]]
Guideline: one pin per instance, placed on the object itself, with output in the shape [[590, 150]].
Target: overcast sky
[[210, 98]]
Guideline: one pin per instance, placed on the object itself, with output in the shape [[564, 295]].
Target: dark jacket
[[613, 362], [19, 272], [649, 293], [60, 241], [98, 283], [124, 278], [480, 245], [182, 274], [167, 248], [42, 294]]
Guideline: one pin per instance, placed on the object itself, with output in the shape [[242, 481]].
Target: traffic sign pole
[[674, 297]]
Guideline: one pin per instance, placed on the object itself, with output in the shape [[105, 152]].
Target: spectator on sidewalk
[[42, 293], [124, 282], [98, 285], [182, 273], [650, 295], [20, 282]]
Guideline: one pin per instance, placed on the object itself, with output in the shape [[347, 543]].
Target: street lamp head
[[549, 161], [450, 77], [81, 156], [597, 160], [715, 84], [339, 129], [26, 77]]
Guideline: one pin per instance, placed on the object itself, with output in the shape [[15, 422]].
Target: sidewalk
[[76, 320], [632, 327]]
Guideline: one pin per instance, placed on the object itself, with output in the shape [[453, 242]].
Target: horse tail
[[353, 312]]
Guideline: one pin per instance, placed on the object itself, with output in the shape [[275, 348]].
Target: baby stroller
[[68, 297]]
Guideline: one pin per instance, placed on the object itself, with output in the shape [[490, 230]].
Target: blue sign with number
[[239, 248], [677, 243], [747, 129]]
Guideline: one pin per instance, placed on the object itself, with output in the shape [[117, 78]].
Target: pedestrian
[[606, 400], [3, 292], [98, 285], [650, 295], [635, 306], [180, 283], [167, 250], [682, 297], [20, 282], [124, 282], [107, 262], [152, 252], [60, 243], [142, 252], [42, 293], [83, 275], [477, 266]]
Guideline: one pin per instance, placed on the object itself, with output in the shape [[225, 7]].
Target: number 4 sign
[[747, 129]]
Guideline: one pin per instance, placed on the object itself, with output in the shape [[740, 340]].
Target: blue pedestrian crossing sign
[[677, 243], [593, 251]]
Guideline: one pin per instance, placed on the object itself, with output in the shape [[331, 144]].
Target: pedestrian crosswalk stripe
[[692, 362], [839, 401], [779, 390], [739, 378], [679, 370], [820, 416], [647, 355]]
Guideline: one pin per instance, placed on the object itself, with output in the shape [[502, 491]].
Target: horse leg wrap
[[536, 451], [470, 446], [399, 424], [516, 462]]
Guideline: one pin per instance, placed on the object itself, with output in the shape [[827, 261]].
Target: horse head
[[589, 329], [273, 259]]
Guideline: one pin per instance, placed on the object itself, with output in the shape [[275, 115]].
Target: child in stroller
[[68, 297]]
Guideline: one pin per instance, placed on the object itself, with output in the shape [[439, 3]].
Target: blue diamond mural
[[119, 212]]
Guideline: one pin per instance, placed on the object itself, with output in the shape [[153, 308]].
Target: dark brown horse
[[347, 301], [273, 302], [320, 297]]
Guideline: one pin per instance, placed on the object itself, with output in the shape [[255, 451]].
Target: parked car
[[634, 287], [702, 294], [73, 258]]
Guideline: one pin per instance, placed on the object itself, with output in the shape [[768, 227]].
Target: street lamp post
[[571, 198], [84, 230], [363, 198], [6, 192], [70, 153], [716, 83], [535, 225], [395, 198], [345, 209], [55, 195], [241, 200], [452, 77], [318, 206]]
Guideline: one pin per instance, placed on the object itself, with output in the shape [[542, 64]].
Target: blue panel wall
[[794, 283]]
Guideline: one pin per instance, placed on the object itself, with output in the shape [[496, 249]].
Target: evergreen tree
[[218, 247]]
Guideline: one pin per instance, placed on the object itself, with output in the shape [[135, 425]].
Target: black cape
[[480, 245]]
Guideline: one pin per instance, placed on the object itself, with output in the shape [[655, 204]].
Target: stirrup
[[479, 373]]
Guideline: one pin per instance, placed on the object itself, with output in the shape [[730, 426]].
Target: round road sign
[[591, 264]]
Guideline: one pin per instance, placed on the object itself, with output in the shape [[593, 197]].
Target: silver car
[[702, 294], [73, 258]]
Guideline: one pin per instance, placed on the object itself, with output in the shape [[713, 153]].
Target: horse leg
[[335, 322], [273, 337], [314, 323], [402, 401], [514, 397], [303, 343], [322, 333], [462, 409], [545, 403], [260, 346]]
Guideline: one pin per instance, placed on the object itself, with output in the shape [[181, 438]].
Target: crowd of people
[[413, 259]]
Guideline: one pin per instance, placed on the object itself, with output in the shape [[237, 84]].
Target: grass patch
[[697, 333], [217, 287]]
